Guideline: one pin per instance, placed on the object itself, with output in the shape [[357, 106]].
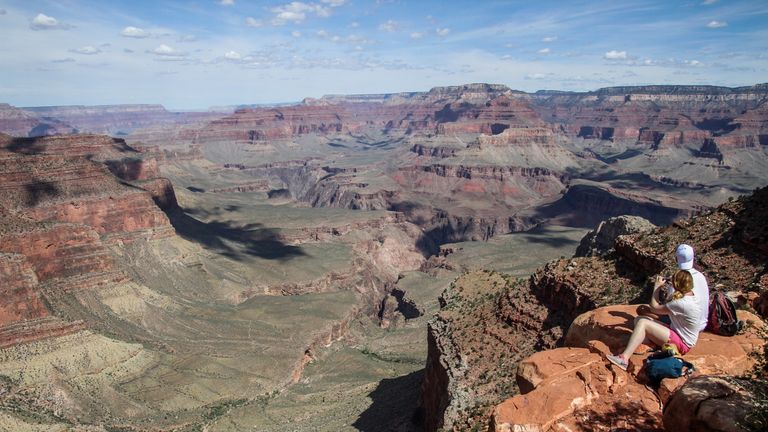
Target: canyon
[[366, 262]]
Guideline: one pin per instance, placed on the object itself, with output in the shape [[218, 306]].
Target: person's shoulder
[[683, 301]]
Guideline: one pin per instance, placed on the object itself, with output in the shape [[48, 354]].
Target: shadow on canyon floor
[[394, 407], [550, 239], [232, 241]]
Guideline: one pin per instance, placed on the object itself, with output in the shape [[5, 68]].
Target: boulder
[[716, 403], [575, 387], [610, 327], [600, 241], [547, 364], [558, 395]]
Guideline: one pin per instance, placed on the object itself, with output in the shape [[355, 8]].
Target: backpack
[[722, 318], [662, 365]]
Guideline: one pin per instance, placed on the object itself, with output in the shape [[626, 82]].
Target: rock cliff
[[660, 116], [22, 123], [488, 324], [62, 207], [574, 387], [116, 120]]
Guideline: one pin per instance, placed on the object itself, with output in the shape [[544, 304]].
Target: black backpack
[[722, 316]]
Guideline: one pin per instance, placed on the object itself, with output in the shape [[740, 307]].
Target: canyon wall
[[62, 206], [22, 123], [660, 116]]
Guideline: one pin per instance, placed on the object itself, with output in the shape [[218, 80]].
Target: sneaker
[[619, 361]]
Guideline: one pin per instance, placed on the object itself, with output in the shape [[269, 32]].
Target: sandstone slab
[[573, 388], [544, 365], [714, 403], [610, 327], [572, 395]]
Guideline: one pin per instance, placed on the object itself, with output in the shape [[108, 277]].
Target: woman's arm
[[655, 306]]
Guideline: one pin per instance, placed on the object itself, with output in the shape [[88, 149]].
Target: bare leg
[[645, 329]]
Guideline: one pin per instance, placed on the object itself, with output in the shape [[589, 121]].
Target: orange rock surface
[[572, 388]]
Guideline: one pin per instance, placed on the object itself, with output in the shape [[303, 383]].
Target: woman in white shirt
[[683, 310]]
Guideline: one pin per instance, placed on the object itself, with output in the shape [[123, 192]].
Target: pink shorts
[[675, 339]]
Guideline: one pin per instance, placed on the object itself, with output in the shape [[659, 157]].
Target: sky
[[195, 54]]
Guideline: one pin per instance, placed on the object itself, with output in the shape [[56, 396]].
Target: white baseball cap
[[684, 256]]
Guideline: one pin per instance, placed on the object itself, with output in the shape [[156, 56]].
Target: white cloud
[[668, 63], [64, 60], [389, 26], [296, 12], [44, 22], [417, 35], [709, 2], [253, 22], [549, 39], [717, 24], [442, 31], [537, 76], [296, 34], [544, 51], [615, 55], [233, 55], [334, 3], [134, 32], [166, 51], [322, 33], [86, 50], [227, 2]]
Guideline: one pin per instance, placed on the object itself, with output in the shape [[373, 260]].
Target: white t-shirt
[[685, 314], [701, 293]]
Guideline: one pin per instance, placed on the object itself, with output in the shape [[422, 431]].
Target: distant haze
[[195, 54]]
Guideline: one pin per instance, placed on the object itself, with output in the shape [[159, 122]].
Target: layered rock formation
[[58, 168], [22, 123], [655, 152], [61, 207], [115, 120], [660, 116]]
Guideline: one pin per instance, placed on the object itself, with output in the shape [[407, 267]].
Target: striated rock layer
[[22, 123], [660, 116], [61, 206]]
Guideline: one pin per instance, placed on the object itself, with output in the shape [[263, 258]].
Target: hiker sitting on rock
[[683, 311], [684, 257]]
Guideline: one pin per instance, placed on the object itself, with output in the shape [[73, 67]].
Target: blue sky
[[192, 54]]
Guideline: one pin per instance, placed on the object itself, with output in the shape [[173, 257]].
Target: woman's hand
[[660, 281]]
